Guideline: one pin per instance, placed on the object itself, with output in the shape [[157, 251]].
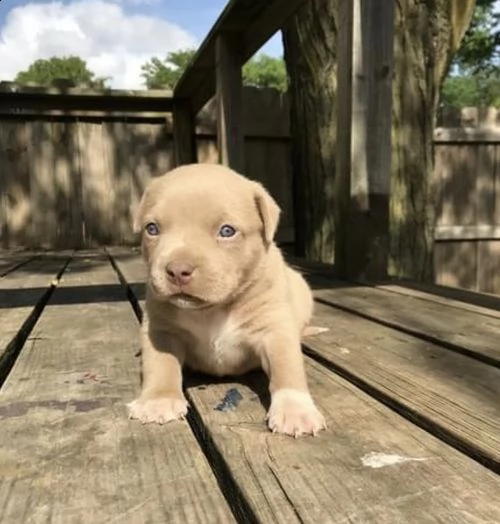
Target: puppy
[[220, 298]]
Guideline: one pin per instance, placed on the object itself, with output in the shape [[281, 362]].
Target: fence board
[[15, 208], [69, 182]]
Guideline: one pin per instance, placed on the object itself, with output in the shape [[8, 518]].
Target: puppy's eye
[[227, 231], [152, 229]]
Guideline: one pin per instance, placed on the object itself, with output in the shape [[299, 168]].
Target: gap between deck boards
[[10, 353], [230, 489], [425, 423], [241, 508]]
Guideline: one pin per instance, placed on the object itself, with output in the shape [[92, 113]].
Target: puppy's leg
[[161, 399], [292, 409]]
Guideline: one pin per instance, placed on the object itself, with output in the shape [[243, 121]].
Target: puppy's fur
[[219, 303]]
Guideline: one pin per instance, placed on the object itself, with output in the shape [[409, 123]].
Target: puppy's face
[[205, 229]]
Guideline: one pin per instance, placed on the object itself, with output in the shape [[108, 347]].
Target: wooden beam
[[20, 100], [467, 233], [365, 68], [230, 139], [254, 22], [184, 133]]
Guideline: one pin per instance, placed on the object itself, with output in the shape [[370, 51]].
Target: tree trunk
[[310, 42], [427, 33]]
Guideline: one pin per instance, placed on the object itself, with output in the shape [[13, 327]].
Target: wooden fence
[[467, 182], [70, 179]]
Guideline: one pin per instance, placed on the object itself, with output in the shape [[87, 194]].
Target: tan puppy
[[220, 298]]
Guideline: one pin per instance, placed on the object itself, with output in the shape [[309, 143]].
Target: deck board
[[69, 452], [21, 292], [454, 393], [11, 261], [333, 477], [325, 479], [469, 332], [488, 305]]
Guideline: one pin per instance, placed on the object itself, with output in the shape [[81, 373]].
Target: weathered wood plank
[[254, 21], [481, 303], [340, 477], [468, 332], [11, 261], [67, 186], [455, 395], [22, 295], [363, 151], [229, 85], [15, 202], [44, 227], [98, 190], [184, 133], [69, 453], [345, 474]]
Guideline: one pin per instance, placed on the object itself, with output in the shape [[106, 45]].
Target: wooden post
[[184, 132], [365, 70], [230, 139]]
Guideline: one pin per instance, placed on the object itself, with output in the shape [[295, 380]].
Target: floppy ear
[[269, 212]]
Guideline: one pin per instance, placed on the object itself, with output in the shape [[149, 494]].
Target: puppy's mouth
[[186, 301]]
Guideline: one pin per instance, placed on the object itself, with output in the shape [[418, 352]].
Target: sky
[[115, 37]]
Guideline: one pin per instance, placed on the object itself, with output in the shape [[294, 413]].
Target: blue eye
[[152, 229], [227, 231]]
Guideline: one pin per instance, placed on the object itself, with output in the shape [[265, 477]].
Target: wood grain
[[454, 394], [465, 331], [363, 149], [228, 73], [69, 453], [15, 206], [22, 292], [334, 477]]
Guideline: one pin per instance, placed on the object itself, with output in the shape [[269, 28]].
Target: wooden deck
[[409, 381]]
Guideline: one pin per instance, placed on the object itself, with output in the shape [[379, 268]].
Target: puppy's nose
[[179, 273]]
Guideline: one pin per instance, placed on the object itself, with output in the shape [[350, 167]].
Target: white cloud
[[113, 43]]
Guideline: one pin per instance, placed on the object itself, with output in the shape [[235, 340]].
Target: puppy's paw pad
[[293, 413], [160, 410]]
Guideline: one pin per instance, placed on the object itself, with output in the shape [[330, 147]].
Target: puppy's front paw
[[293, 412], [160, 409]]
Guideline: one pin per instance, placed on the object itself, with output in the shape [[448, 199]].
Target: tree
[[479, 51], [427, 34], [310, 43], [260, 71], [46, 71], [479, 89], [474, 75], [265, 71], [164, 74]]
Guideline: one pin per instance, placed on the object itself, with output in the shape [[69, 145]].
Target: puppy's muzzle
[[179, 273]]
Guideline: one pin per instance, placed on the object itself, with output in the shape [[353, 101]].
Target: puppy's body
[[218, 302]]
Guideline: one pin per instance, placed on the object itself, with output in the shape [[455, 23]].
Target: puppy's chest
[[219, 346]]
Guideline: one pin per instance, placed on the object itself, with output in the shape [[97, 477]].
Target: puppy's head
[[205, 229]]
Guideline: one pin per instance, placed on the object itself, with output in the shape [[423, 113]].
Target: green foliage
[[479, 50], [45, 71], [265, 71], [480, 89], [474, 78], [260, 71], [164, 74]]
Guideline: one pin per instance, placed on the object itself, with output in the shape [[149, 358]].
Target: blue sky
[[114, 36]]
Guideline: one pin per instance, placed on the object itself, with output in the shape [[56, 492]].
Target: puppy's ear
[[269, 212]]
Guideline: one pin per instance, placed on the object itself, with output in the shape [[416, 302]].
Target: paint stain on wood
[[230, 401]]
